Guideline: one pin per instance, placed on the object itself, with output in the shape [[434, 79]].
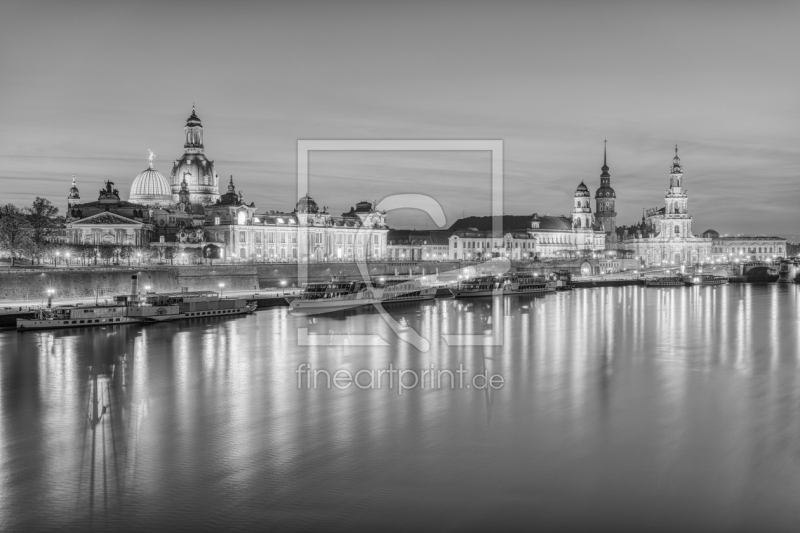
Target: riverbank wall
[[105, 282]]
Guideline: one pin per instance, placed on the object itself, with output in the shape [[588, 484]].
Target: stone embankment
[[85, 282]]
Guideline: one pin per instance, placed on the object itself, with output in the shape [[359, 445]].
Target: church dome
[[582, 191], [151, 188], [306, 204]]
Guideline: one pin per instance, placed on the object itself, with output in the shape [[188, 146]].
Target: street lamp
[[147, 289], [67, 261], [283, 287], [50, 298], [58, 254], [221, 286]]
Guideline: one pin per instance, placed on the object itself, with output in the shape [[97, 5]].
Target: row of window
[[747, 250]]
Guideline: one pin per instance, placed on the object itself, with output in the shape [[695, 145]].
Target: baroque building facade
[[747, 248], [529, 237], [188, 210], [665, 235]]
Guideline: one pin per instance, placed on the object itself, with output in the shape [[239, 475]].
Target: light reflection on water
[[623, 408]]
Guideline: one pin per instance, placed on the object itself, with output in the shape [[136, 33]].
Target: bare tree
[[15, 232]]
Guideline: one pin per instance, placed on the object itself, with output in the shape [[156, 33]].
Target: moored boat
[[506, 284], [79, 317], [336, 295], [406, 289], [478, 286], [704, 279], [664, 281], [194, 304]]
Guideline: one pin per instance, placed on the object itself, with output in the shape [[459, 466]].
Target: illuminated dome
[[582, 191], [194, 167], [151, 188], [306, 204]]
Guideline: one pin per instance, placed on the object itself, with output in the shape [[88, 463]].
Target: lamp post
[[221, 287], [67, 259], [283, 287], [58, 256], [50, 298]]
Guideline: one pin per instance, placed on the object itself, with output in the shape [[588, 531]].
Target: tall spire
[[231, 188], [677, 168], [605, 173]]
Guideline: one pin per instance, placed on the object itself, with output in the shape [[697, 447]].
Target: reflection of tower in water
[[104, 463]]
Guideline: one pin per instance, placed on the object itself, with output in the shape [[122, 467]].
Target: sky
[[86, 88]]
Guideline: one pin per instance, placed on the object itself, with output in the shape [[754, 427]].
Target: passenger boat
[[704, 279], [664, 281], [335, 295], [406, 289], [79, 317], [479, 286], [194, 304], [132, 309], [507, 284], [525, 283]]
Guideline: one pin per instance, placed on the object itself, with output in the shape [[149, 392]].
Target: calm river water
[[621, 409]]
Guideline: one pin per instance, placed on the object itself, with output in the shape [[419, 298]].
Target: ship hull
[[26, 324], [424, 294], [324, 306]]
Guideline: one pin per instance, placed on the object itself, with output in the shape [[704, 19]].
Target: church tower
[[605, 198], [677, 223], [582, 211], [74, 197], [193, 167]]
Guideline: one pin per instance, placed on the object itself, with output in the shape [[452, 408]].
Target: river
[[618, 409]]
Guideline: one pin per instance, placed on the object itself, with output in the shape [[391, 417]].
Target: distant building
[[418, 245], [131, 223], [751, 247], [188, 210], [528, 237], [665, 234]]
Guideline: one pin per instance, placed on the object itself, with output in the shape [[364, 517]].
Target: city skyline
[[94, 111]]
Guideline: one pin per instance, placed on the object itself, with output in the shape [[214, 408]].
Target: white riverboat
[[406, 289], [336, 295]]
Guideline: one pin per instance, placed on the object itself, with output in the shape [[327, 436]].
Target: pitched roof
[[511, 223], [106, 219]]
